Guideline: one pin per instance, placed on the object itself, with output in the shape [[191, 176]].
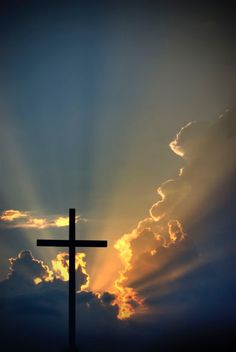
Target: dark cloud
[[189, 280], [23, 269], [190, 139], [210, 153], [41, 309]]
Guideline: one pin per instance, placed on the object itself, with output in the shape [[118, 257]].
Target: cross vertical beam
[[72, 285], [72, 243]]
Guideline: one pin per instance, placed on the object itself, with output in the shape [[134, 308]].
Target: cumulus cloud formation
[[190, 139], [23, 270], [60, 268], [11, 215], [41, 309], [209, 153], [26, 220], [26, 272]]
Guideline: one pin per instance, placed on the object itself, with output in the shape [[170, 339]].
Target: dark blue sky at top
[[83, 78]]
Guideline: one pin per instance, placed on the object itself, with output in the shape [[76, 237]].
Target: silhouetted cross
[[72, 243]]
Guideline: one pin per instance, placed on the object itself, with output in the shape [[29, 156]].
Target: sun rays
[[112, 203]]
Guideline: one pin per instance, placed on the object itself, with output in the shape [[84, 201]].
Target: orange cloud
[[39, 223], [168, 234], [61, 221], [23, 219], [209, 151], [12, 215], [60, 269]]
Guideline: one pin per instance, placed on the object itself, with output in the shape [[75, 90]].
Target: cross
[[72, 243]]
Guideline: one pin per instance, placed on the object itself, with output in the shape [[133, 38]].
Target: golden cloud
[[209, 151], [60, 269], [11, 215], [25, 220]]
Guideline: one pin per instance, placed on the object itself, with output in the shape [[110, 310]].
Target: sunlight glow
[[60, 269], [24, 219]]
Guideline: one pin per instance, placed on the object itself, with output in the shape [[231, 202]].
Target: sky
[[126, 112]]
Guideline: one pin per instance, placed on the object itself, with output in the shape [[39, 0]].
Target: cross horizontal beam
[[67, 243], [71, 244]]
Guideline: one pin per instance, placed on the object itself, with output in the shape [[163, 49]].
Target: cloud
[[209, 151], [26, 220], [26, 272], [41, 309], [60, 268], [11, 215], [24, 268], [190, 139]]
